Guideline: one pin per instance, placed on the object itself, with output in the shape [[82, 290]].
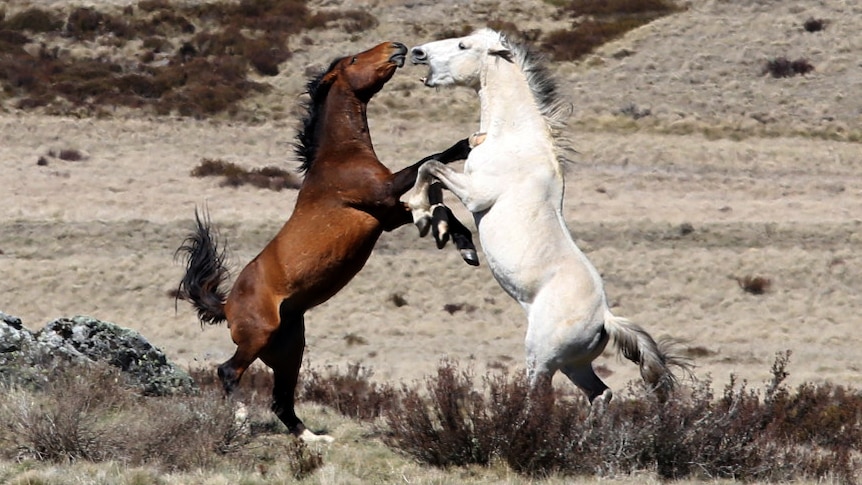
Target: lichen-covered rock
[[13, 336], [82, 340]]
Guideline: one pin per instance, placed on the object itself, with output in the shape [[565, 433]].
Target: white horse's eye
[[462, 46]]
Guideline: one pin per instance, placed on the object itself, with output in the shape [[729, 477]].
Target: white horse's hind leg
[[586, 379]]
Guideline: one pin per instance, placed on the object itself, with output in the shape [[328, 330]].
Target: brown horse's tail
[[653, 357], [205, 273]]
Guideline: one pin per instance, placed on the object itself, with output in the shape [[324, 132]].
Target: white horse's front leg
[[461, 185], [419, 202]]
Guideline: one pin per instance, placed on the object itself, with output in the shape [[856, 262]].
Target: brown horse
[[347, 199]]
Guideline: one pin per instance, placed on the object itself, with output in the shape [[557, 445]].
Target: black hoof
[[470, 257], [424, 225]]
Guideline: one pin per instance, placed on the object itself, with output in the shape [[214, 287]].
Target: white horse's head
[[458, 61]]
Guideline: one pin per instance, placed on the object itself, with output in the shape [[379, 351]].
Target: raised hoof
[[476, 139], [470, 257], [424, 224], [310, 437]]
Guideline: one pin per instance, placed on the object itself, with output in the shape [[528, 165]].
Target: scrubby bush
[[596, 22], [89, 413], [269, 177], [204, 70], [776, 435], [351, 393]]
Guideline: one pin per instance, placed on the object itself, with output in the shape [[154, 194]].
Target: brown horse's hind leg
[[284, 357], [253, 324]]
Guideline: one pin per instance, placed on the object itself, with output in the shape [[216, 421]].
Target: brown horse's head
[[366, 73], [361, 76]]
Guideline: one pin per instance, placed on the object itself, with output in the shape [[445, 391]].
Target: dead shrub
[[604, 8], [33, 20], [350, 21], [65, 421], [90, 413], [776, 435], [756, 285], [351, 393], [583, 38], [814, 25], [272, 178], [783, 67], [443, 426], [70, 155], [597, 22]]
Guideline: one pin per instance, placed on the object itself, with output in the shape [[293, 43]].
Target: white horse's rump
[[513, 185]]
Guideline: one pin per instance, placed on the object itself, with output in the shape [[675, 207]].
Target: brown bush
[[583, 38], [33, 20], [604, 8], [756, 285], [272, 178], [88, 413], [783, 67], [778, 435], [597, 22], [352, 394]]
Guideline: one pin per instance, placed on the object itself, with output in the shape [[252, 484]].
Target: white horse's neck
[[507, 102]]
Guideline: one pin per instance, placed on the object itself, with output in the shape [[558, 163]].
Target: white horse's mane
[[554, 108], [542, 84]]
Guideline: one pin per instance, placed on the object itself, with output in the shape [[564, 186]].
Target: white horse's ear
[[502, 52]]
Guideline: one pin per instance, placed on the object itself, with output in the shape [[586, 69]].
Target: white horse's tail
[[653, 358]]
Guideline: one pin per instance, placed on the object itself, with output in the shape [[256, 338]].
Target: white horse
[[513, 185]]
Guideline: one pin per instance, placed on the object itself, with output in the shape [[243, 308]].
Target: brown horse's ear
[[502, 53], [329, 77]]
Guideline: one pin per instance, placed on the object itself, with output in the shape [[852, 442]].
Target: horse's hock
[[25, 355]]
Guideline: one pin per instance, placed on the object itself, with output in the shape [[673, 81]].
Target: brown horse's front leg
[[404, 179]]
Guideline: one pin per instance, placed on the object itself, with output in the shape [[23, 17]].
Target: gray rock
[[83, 340]]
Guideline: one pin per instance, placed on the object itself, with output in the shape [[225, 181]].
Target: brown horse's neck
[[342, 128]]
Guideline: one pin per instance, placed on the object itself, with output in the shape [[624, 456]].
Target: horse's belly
[[517, 256]]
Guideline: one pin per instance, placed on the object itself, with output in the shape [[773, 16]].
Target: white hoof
[[476, 139], [310, 437]]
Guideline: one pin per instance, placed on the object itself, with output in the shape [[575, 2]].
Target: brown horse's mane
[[305, 147]]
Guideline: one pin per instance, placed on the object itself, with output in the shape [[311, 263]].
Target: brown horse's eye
[[353, 61]]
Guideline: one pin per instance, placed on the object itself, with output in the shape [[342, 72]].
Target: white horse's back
[[513, 185]]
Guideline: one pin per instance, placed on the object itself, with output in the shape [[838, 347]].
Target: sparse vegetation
[[269, 177], [203, 70], [814, 25], [777, 435], [598, 22], [756, 285], [783, 67], [88, 414]]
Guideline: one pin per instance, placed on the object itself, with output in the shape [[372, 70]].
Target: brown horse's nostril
[[400, 46]]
